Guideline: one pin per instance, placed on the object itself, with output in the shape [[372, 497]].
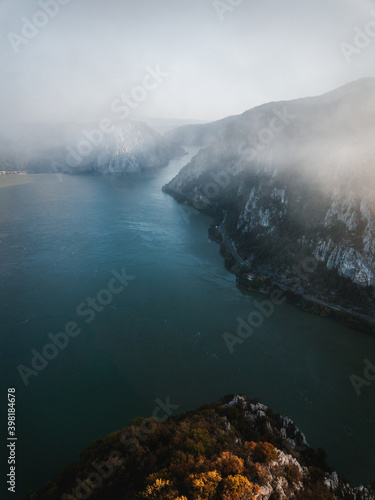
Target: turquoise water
[[162, 335]]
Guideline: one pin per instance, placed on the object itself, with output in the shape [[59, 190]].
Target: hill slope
[[234, 450], [129, 147], [202, 134], [296, 180]]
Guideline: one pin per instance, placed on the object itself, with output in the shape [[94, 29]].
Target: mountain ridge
[[296, 179], [104, 148]]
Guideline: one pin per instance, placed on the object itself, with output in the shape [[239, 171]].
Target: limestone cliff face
[[126, 148], [132, 148], [296, 178]]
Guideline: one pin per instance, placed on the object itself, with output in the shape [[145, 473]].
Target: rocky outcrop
[[132, 148], [235, 449], [126, 148], [296, 179]]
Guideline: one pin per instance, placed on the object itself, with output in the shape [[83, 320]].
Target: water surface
[[162, 336]]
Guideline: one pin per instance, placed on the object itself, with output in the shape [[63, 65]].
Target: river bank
[[8, 179], [265, 282]]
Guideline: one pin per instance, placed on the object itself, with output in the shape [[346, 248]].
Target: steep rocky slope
[[296, 180], [132, 147], [129, 147], [235, 449]]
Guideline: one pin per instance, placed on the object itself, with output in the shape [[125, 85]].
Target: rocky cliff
[[296, 180], [235, 449], [105, 148], [131, 148]]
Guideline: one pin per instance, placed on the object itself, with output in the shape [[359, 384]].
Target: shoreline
[[312, 305], [14, 179], [13, 172]]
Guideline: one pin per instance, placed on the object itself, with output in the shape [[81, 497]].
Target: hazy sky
[[215, 59]]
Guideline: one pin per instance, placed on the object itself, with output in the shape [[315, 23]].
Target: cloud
[[93, 50]]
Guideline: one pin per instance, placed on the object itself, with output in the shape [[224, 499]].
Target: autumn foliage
[[211, 454]]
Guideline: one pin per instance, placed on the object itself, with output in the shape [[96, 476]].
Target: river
[[160, 337]]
